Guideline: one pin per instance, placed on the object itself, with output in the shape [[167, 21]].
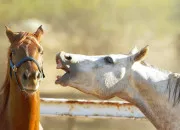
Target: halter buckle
[[14, 68]]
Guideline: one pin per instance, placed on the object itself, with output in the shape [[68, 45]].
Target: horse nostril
[[68, 57], [38, 75], [25, 77]]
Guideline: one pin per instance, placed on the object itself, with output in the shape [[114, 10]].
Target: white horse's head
[[102, 76]]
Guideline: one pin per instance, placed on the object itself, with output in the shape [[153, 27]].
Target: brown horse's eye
[[40, 51], [13, 52]]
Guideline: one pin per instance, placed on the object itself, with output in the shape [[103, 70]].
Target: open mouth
[[62, 65]]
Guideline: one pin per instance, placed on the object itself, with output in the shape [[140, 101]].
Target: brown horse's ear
[[11, 35], [39, 32], [139, 56]]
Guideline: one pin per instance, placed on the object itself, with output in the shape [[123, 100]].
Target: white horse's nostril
[[68, 57]]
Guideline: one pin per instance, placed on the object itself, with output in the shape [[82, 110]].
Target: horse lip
[[61, 64], [30, 90]]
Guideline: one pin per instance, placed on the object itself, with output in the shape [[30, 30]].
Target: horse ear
[[133, 51], [39, 32], [10, 34], [139, 56]]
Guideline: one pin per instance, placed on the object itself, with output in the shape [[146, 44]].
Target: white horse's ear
[[133, 51], [140, 55]]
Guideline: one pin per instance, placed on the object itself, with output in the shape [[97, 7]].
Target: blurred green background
[[94, 27]]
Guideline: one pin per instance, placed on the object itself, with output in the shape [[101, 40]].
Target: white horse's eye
[[109, 60]]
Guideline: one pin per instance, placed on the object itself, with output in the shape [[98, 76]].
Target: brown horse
[[19, 95]]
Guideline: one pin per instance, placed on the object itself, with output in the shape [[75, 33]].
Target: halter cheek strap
[[14, 68]]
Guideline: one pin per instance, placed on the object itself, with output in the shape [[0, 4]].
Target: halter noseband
[[14, 68]]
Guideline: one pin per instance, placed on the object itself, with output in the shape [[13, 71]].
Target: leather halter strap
[[14, 68]]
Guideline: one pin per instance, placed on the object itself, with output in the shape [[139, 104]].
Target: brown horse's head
[[25, 54]]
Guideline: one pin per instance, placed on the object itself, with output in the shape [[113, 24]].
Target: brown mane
[[4, 90]]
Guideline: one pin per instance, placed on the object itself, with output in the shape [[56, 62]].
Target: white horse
[[155, 92]]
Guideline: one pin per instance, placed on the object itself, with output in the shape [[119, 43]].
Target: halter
[[14, 68]]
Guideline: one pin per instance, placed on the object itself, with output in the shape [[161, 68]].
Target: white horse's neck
[[148, 90], [153, 77]]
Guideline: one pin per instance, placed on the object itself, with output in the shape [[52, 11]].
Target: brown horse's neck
[[23, 109], [18, 110]]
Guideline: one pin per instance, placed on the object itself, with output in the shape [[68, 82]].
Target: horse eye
[[109, 60], [40, 51], [13, 52]]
